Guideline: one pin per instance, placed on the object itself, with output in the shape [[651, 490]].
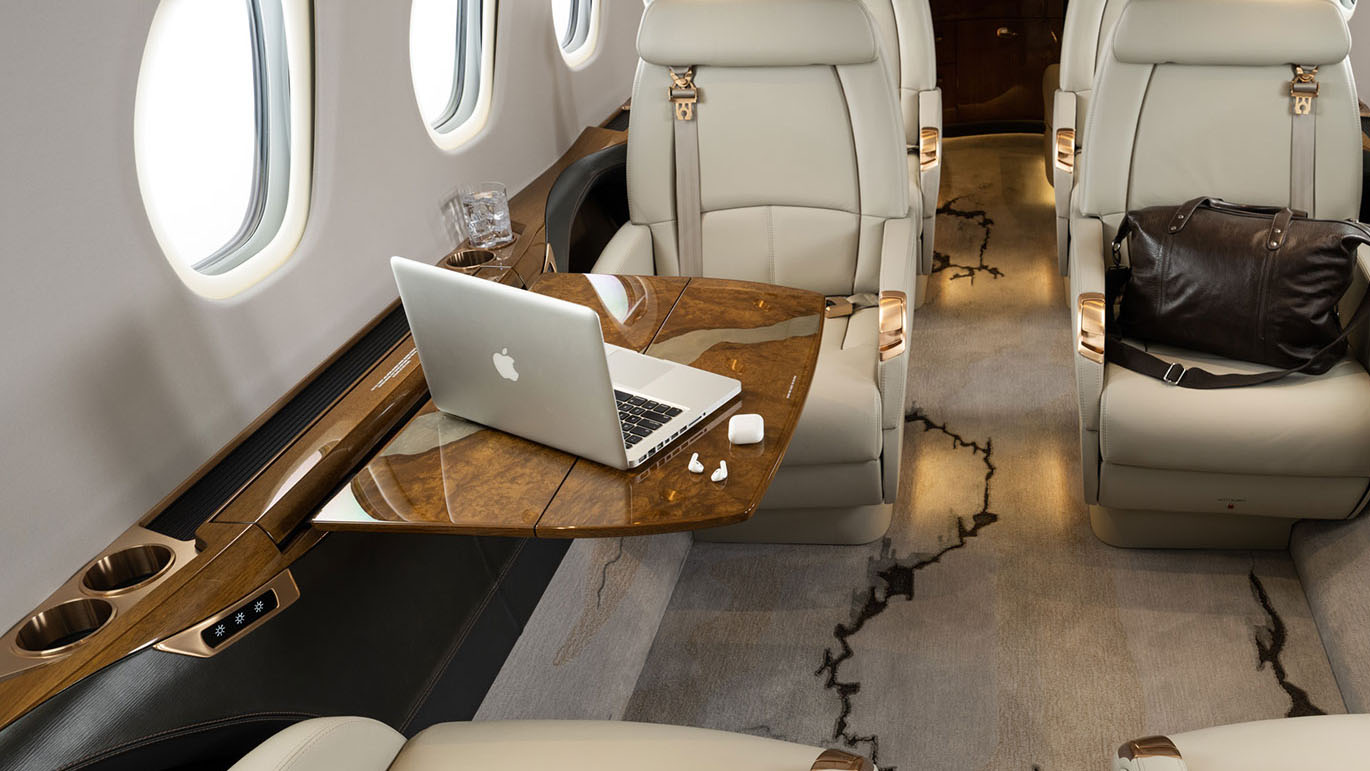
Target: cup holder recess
[[468, 259], [62, 627], [127, 569]]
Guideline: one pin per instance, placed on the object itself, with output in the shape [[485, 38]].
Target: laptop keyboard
[[640, 416]]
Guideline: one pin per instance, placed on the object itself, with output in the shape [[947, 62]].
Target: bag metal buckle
[[1304, 89], [683, 93], [1178, 377]]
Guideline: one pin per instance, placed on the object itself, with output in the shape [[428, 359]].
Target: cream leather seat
[[362, 744], [1322, 743], [1193, 98], [802, 182], [1067, 88], [911, 58], [1084, 42]]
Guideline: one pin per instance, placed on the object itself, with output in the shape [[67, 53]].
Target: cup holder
[[127, 569], [62, 627], [469, 259]]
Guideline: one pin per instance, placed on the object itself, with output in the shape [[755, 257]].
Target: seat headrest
[[1232, 32], [757, 33]]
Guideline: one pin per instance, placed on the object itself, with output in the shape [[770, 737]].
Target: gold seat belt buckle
[[683, 94], [1304, 89]]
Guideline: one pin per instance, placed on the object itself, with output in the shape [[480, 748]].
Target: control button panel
[[240, 618], [227, 627]]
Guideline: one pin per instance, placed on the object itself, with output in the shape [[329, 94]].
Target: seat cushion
[[327, 744], [1302, 425], [583, 745], [841, 418]]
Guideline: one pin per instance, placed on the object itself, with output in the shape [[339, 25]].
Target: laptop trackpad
[[636, 372]]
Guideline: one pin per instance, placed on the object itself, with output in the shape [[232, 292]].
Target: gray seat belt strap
[[1304, 138], [689, 239]]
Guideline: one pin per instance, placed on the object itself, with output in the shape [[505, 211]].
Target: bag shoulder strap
[[1131, 357], [689, 239]]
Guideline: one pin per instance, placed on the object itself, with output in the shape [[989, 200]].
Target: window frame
[[281, 39]]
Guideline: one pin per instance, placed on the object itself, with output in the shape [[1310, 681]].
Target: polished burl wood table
[[446, 475]]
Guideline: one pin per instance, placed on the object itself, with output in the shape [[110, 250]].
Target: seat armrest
[[1154, 753], [1065, 142], [929, 170], [593, 745], [1087, 274], [1149, 764], [327, 744], [896, 317], [628, 253], [838, 760]]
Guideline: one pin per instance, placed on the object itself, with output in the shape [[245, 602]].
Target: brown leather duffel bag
[[1260, 284]]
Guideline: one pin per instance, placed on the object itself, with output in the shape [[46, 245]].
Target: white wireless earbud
[[695, 466], [720, 473]]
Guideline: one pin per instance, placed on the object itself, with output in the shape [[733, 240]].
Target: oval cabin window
[[576, 25], [222, 137], [451, 59]]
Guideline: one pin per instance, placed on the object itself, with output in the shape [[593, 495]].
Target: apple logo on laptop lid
[[504, 365]]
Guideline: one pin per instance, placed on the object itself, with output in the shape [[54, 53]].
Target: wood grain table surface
[[447, 475]]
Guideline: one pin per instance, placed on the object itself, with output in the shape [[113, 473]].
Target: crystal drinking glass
[[485, 215]]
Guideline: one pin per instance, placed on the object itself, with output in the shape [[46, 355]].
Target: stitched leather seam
[[871, 26], [628, 178], [1132, 141], [299, 751], [857, 214], [1103, 421], [186, 730], [856, 160], [459, 640]]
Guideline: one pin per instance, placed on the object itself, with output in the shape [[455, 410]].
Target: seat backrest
[[1085, 39], [1193, 98], [801, 144], [910, 51]]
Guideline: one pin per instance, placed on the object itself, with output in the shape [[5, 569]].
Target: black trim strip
[[183, 516]]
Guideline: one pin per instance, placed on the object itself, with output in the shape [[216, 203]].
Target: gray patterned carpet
[[990, 629]]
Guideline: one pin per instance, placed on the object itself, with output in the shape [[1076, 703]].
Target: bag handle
[[1184, 214]]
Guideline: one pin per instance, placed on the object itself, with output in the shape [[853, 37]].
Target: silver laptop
[[539, 368]]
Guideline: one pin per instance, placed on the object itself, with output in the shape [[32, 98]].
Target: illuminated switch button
[[263, 605], [219, 632], [240, 618]]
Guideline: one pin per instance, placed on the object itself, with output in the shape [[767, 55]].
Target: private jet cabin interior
[[776, 384]]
